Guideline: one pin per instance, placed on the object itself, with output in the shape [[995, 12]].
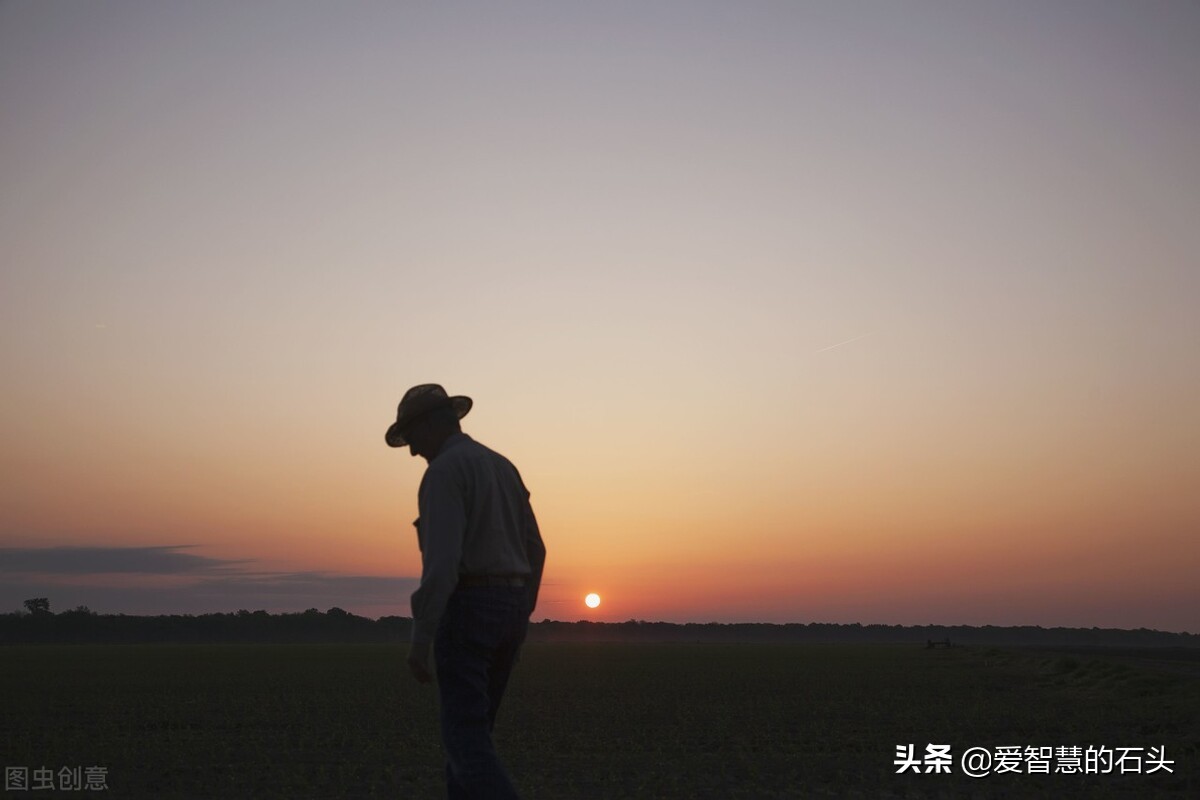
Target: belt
[[471, 581]]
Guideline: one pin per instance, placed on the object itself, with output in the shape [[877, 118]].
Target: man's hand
[[418, 661]]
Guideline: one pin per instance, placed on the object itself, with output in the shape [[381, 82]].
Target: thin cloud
[[67, 576], [163, 560]]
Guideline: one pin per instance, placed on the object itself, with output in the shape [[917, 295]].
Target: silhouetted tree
[[38, 605]]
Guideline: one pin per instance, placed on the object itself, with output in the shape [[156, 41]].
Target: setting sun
[[592, 600]]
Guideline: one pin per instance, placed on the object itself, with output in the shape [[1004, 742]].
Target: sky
[[877, 312]]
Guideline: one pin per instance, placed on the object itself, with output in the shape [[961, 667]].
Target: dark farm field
[[592, 720]]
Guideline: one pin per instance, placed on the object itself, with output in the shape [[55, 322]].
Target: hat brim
[[460, 403]]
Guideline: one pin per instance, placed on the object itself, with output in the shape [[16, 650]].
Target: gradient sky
[[878, 312]]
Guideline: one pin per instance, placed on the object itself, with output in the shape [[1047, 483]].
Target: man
[[482, 559]]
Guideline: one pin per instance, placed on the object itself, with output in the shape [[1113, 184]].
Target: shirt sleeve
[[535, 551], [443, 520]]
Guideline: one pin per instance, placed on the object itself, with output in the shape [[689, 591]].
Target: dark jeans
[[475, 649]]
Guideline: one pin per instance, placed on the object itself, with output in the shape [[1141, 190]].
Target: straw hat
[[421, 400]]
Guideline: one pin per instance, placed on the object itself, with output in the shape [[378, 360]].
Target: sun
[[592, 600]]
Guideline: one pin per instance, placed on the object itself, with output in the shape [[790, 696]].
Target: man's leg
[[465, 651], [503, 662]]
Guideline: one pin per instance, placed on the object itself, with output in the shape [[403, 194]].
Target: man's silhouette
[[482, 558]]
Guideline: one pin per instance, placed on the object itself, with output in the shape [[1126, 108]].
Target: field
[[592, 720]]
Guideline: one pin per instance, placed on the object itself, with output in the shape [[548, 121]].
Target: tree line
[[36, 623]]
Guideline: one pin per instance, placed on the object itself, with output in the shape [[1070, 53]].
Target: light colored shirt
[[475, 519]]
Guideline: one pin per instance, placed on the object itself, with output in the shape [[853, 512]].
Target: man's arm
[[535, 551], [443, 521]]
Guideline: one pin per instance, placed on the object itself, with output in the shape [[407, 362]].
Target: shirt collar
[[454, 440]]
